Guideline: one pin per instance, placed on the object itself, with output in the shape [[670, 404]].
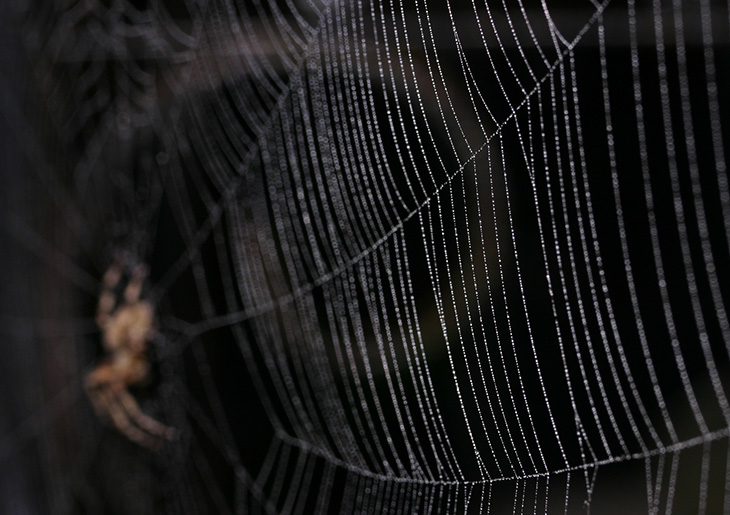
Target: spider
[[125, 333]]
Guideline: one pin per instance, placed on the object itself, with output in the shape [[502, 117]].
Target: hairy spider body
[[125, 333]]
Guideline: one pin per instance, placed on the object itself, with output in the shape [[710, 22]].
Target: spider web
[[406, 257]]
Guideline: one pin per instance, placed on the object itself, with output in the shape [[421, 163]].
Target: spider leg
[[107, 299], [134, 287], [122, 422], [94, 382], [97, 403], [144, 421]]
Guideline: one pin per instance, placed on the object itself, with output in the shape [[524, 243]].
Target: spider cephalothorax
[[126, 329]]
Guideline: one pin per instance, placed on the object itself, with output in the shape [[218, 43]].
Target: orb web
[[406, 257]]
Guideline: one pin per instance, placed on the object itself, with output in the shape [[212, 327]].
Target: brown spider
[[125, 332]]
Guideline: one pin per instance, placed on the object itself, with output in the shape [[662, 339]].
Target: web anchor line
[[670, 449]]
